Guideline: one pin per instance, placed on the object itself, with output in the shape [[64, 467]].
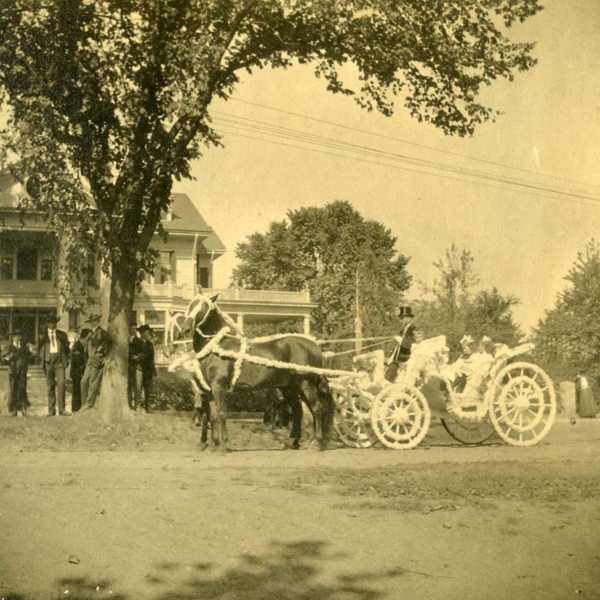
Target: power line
[[415, 144], [395, 166], [285, 133]]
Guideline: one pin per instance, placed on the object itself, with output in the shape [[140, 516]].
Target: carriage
[[493, 393], [474, 397]]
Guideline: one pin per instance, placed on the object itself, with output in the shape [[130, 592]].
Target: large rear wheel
[[522, 404]]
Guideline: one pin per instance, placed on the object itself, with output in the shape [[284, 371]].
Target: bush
[[172, 392]]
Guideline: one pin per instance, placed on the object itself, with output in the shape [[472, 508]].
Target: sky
[[524, 240]]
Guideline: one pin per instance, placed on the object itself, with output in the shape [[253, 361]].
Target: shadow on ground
[[285, 571]]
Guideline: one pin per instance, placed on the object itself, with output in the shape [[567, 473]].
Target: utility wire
[[265, 128], [415, 144], [395, 166]]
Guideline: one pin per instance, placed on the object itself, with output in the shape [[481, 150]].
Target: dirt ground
[[141, 512]]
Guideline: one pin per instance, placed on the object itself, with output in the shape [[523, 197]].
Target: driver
[[401, 352]]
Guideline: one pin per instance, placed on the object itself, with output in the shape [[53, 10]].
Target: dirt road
[[439, 522]]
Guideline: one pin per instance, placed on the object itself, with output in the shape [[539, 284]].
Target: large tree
[[568, 337], [343, 259], [108, 100]]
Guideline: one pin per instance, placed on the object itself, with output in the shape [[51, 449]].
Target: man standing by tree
[[148, 366], [136, 374], [98, 346], [55, 356], [78, 362]]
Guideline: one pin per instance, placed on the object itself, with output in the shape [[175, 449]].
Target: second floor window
[[6, 267], [164, 272], [202, 275], [46, 269], [27, 258]]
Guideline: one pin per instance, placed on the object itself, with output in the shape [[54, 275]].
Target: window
[[163, 272], [27, 264], [6, 267], [155, 318], [74, 320], [46, 269], [202, 276]]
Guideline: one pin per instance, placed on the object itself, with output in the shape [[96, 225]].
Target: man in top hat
[[18, 357], [147, 364], [137, 349], [78, 362], [405, 342], [97, 347], [55, 356]]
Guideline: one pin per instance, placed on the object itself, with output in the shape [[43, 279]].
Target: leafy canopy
[[568, 337], [333, 251]]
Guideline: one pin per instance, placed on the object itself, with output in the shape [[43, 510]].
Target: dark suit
[[54, 365], [18, 360], [148, 370], [98, 345], [78, 361], [136, 374]]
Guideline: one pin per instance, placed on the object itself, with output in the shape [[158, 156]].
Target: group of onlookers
[[83, 361]]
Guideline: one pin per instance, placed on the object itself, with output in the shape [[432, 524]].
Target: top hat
[[405, 312], [144, 327]]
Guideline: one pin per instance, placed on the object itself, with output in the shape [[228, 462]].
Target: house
[[28, 292]]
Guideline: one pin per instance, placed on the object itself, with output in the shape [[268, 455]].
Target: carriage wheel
[[400, 417], [352, 420], [467, 432], [522, 404]]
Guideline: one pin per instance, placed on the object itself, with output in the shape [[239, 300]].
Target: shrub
[[172, 392]]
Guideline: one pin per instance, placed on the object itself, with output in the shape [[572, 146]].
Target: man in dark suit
[[78, 361], [136, 373], [148, 366], [98, 345], [18, 357], [55, 356]]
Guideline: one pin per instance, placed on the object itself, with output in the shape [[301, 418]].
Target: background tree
[[453, 306], [568, 337], [332, 251], [108, 100]]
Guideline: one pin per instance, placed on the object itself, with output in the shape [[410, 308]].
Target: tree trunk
[[113, 403]]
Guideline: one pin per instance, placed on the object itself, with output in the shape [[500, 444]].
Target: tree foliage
[[568, 337], [108, 100], [332, 251], [454, 306]]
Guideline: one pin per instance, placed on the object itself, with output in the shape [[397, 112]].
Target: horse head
[[197, 316]]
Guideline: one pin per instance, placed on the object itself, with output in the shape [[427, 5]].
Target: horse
[[227, 360]]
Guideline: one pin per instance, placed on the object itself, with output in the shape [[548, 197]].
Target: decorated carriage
[[490, 392]]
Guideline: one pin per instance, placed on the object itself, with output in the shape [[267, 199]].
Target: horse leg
[[327, 405], [220, 421], [205, 418], [293, 395], [312, 397]]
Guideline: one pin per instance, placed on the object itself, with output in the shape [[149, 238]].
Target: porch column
[[240, 320], [306, 325]]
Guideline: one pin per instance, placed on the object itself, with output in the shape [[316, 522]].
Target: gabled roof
[[185, 217]]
